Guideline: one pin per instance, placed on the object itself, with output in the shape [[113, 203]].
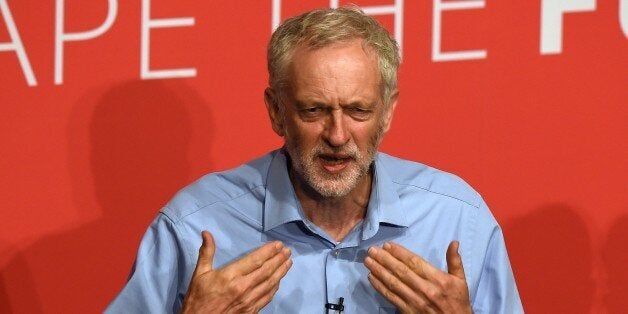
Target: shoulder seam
[[200, 207], [476, 205]]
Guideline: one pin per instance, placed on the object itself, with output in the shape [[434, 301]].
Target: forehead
[[343, 68]]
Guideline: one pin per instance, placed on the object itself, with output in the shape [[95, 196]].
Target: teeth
[[333, 160]]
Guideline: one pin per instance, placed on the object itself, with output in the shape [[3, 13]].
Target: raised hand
[[413, 285], [245, 286]]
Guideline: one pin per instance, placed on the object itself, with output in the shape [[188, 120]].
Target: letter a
[[16, 44]]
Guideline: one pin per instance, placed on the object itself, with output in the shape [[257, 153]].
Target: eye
[[360, 113], [311, 112]]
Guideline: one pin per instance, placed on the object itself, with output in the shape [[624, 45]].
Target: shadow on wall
[[552, 257], [615, 258], [16, 281], [130, 149]]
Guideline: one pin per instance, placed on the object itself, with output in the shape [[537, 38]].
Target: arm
[[497, 291], [158, 273], [162, 268]]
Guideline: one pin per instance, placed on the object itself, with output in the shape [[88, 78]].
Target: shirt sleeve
[[497, 291], [158, 278]]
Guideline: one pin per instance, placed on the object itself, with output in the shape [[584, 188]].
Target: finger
[[263, 293], [244, 288], [387, 293], [396, 267], [269, 268], [265, 299], [205, 253], [255, 259], [454, 260], [410, 290], [419, 305], [249, 299], [415, 262]]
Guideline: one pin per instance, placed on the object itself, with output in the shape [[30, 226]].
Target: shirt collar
[[281, 205], [384, 203]]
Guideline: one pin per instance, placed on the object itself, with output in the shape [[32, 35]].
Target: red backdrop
[[94, 139]]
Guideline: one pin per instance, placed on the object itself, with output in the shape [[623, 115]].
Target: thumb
[[205, 254], [454, 260]]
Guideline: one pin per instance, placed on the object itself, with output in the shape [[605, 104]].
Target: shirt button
[[336, 253]]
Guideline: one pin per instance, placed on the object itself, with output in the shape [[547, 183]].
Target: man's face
[[334, 116]]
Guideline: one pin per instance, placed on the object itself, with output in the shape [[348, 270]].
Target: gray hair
[[323, 27]]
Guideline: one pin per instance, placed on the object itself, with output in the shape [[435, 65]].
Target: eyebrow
[[361, 104], [355, 103]]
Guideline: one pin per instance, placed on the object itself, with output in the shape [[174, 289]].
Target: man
[[326, 223]]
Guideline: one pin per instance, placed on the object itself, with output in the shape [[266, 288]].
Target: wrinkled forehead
[[351, 54], [307, 46]]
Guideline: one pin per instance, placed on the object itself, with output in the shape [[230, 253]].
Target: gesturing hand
[[245, 286], [415, 286]]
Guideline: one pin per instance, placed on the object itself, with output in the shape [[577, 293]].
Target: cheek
[[365, 135], [303, 135], [307, 130]]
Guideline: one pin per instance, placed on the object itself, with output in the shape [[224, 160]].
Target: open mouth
[[334, 162]]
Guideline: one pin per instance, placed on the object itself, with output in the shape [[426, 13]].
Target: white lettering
[[61, 37], [552, 21], [16, 44], [276, 15], [623, 16], [147, 24], [438, 8], [396, 9]]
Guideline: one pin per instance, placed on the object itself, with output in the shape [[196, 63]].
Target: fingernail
[[278, 245], [286, 251], [387, 246], [373, 250]]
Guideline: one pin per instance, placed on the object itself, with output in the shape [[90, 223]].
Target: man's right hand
[[244, 286]]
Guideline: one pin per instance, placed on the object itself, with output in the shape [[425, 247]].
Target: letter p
[[61, 36]]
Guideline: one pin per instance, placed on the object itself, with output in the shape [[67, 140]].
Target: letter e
[[439, 7], [147, 24]]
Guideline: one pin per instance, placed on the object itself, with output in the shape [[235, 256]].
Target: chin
[[338, 185], [332, 192]]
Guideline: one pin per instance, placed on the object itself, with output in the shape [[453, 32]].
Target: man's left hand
[[413, 285]]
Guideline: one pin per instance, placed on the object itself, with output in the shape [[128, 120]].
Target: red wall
[[87, 162]]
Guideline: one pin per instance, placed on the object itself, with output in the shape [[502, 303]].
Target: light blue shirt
[[419, 207]]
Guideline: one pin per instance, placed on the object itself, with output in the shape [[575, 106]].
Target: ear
[[388, 115], [272, 105]]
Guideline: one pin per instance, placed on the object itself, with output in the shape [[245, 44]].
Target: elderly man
[[325, 223]]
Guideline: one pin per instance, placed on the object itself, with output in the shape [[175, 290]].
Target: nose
[[336, 133]]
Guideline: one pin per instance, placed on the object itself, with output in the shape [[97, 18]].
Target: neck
[[337, 216]]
